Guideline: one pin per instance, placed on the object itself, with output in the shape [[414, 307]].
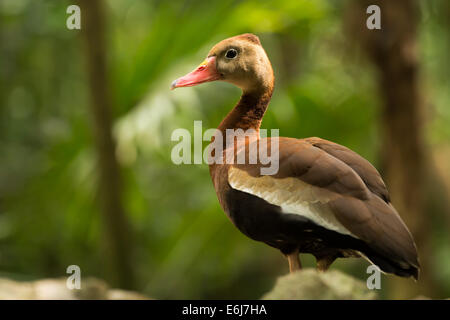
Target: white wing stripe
[[291, 194]]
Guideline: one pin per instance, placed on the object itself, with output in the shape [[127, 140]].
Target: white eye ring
[[231, 54]]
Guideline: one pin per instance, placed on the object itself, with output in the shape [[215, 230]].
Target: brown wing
[[361, 166], [315, 183]]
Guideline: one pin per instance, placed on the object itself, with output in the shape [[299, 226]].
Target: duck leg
[[294, 261], [323, 263]]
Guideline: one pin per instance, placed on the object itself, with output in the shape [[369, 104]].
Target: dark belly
[[262, 221]]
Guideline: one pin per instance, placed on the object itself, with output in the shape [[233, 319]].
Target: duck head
[[240, 60]]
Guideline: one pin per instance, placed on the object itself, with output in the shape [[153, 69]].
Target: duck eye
[[231, 54]]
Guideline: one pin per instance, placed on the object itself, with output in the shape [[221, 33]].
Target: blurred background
[[86, 118]]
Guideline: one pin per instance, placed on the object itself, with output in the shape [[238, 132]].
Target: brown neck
[[248, 112]]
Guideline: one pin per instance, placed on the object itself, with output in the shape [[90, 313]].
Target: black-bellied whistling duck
[[324, 199]]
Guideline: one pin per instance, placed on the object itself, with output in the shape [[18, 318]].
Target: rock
[[56, 289], [310, 284]]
